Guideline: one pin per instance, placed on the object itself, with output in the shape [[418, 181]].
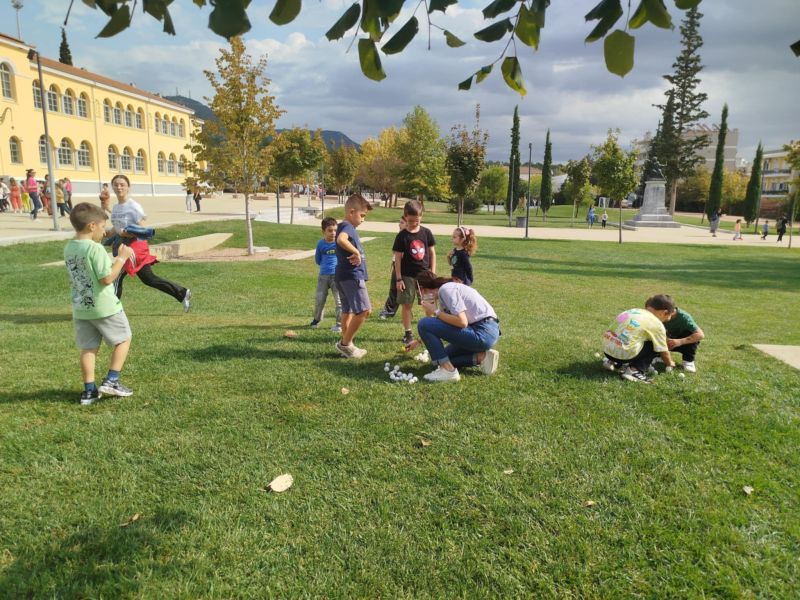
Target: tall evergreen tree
[[64, 55], [688, 103], [752, 201], [649, 161], [546, 195], [513, 167], [665, 145], [715, 189]]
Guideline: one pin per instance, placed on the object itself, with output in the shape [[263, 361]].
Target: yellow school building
[[98, 127]]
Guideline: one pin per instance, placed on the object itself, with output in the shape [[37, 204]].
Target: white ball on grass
[[681, 375], [397, 367], [597, 355], [386, 368]]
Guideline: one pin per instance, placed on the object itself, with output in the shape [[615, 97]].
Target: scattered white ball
[[397, 367], [386, 368], [681, 375], [597, 355], [387, 365]]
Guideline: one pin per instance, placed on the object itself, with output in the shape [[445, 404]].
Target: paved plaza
[[162, 212]]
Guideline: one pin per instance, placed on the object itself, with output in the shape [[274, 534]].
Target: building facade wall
[[105, 129]]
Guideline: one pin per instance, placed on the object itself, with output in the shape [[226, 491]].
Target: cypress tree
[[752, 201], [547, 181], [64, 55], [688, 102], [715, 189], [652, 155], [513, 167], [666, 143]]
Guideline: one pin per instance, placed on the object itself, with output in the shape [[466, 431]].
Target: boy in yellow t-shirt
[[637, 336]]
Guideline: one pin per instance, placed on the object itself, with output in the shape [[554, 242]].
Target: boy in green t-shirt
[[684, 336], [96, 311]]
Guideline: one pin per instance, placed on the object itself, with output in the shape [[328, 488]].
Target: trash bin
[[521, 221]]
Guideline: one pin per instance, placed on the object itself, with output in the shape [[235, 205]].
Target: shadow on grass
[[53, 396], [95, 561], [28, 319], [720, 271], [585, 370]]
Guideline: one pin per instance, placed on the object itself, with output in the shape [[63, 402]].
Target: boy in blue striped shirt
[[325, 257]]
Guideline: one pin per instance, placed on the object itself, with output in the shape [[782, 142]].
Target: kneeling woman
[[128, 213], [464, 319]]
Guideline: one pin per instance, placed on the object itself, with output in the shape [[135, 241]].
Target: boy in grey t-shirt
[[96, 311]]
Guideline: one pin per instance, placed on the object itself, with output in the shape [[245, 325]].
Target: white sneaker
[[441, 374], [689, 367], [350, 351], [336, 329], [358, 352], [187, 301], [490, 361], [608, 365], [632, 374]]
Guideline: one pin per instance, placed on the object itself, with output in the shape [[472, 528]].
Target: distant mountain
[[331, 138]]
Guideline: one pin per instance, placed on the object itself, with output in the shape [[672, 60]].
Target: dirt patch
[[235, 254]]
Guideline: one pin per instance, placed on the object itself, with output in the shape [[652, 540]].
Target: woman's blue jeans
[[464, 343]]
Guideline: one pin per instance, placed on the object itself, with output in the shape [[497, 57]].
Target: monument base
[[653, 212]]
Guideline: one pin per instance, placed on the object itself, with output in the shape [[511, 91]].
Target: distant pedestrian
[[189, 198], [105, 199], [32, 187], [737, 230], [604, 219], [68, 193], [590, 217], [781, 228], [15, 195], [765, 230], [197, 196], [713, 222]]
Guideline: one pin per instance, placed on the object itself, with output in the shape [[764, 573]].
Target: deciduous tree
[[492, 185], [466, 152], [296, 152], [232, 146], [342, 164], [379, 167], [424, 155]]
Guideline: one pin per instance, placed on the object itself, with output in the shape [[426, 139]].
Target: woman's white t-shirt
[[455, 298], [126, 214]]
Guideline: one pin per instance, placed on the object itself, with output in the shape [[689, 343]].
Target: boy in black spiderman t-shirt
[[414, 252]]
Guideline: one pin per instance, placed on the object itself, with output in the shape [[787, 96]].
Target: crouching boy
[[684, 336], [96, 311], [636, 337]]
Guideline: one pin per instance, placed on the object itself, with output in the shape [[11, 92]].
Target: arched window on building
[[140, 161], [157, 122], [173, 127], [182, 165], [84, 154], [126, 160], [118, 113], [107, 109], [165, 125], [68, 102], [83, 106], [139, 119], [182, 128], [161, 162], [6, 81], [129, 116], [171, 165], [42, 150], [15, 151], [64, 153], [37, 94], [52, 99], [112, 157]]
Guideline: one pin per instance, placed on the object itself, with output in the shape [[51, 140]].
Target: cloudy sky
[[746, 57]]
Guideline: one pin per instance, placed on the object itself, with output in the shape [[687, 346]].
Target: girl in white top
[[128, 212], [458, 314]]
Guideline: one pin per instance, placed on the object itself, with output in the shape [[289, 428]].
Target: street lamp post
[[17, 5], [31, 55], [528, 202]]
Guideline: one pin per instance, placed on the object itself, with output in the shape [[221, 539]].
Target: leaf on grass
[[281, 483], [346, 22], [452, 40], [513, 75], [135, 517], [618, 50], [289, 334], [508, 471], [424, 443], [589, 503], [747, 490], [145, 405], [345, 391]]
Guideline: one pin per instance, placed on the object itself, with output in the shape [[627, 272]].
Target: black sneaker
[[89, 397], [115, 388], [632, 374], [408, 337], [314, 324]]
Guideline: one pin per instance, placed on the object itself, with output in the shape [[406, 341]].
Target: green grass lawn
[[438, 213], [224, 403]]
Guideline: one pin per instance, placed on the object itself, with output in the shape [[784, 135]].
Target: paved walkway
[[161, 212], [788, 354]]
